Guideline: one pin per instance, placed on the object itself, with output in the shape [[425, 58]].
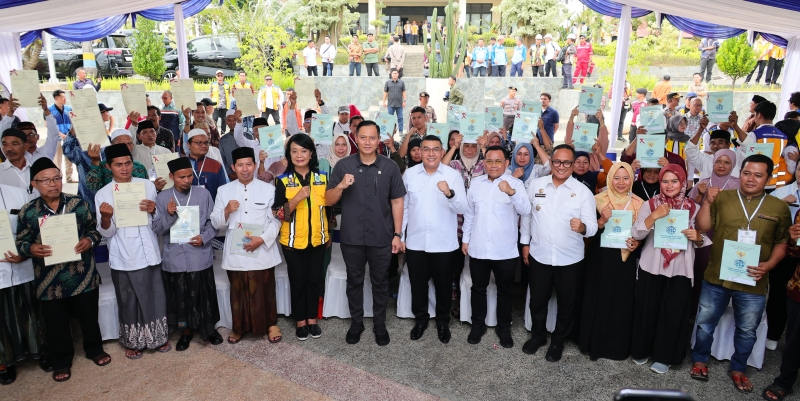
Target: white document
[[25, 87], [86, 119], [183, 93], [134, 98], [246, 102]]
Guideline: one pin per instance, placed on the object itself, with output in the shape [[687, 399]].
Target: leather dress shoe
[[44, 363], [532, 345], [504, 335], [183, 343], [554, 352], [215, 338], [9, 375], [444, 333], [354, 334], [418, 331], [478, 330], [381, 336]]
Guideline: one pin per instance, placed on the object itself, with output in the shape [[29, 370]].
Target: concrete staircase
[[413, 64]]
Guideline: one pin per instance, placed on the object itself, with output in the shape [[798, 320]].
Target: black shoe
[[418, 331], [44, 363], [564, 87], [183, 343], [302, 333], [354, 334], [215, 338], [9, 375], [381, 336], [478, 330], [444, 333], [531, 346], [504, 334], [314, 331], [554, 352]]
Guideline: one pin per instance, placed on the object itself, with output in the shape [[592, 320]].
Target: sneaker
[[640, 361], [659, 368], [772, 345], [314, 331], [302, 333]]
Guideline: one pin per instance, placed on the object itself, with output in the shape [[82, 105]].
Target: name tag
[[747, 236], [539, 195]]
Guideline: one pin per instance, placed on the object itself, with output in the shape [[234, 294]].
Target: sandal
[[740, 381], [61, 372], [98, 360], [699, 373], [165, 348], [234, 340], [133, 354], [273, 337], [776, 390]]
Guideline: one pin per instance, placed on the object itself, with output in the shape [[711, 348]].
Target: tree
[[30, 56], [148, 49], [530, 17], [327, 15], [736, 58], [455, 44], [89, 61]]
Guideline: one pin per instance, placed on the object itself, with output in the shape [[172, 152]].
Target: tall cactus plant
[[455, 44]]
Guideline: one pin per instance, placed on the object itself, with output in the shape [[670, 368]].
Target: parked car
[[111, 52], [206, 55]]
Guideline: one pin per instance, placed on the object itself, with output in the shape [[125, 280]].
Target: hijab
[[332, 158], [673, 132], [720, 181], [494, 134], [457, 153], [469, 162], [527, 169], [644, 190], [679, 202], [414, 143], [619, 200], [590, 177]]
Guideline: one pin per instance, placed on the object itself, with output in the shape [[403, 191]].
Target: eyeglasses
[[49, 181], [198, 143], [307, 121], [431, 150], [493, 162], [559, 163], [30, 134], [220, 75], [268, 79]]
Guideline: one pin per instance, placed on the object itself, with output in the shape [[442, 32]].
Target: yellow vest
[[276, 98], [310, 220], [215, 94]]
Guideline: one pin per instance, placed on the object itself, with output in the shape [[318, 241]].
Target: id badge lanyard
[[748, 235]]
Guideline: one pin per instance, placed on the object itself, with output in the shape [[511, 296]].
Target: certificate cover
[[493, 118], [386, 122], [454, 113], [525, 125], [25, 87], [472, 126], [60, 232], [183, 93], [127, 197], [8, 241], [649, 148], [584, 135], [162, 169], [590, 99], [765, 149], [617, 230], [667, 230], [321, 129], [304, 87], [86, 118], [736, 256], [239, 238], [271, 139], [439, 129], [187, 226], [245, 102], [134, 98], [652, 119], [720, 105], [532, 106]]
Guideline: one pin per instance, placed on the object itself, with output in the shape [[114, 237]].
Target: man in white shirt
[[15, 170], [328, 53], [718, 139], [144, 152], [244, 207], [135, 260], [551, 50], [494, 204], [562, 215], [310, 58], [435, 196], [50, 146], [270, 98]]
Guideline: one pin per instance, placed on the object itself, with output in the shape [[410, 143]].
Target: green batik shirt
[[370, 57], [100, 176], [66, 279]]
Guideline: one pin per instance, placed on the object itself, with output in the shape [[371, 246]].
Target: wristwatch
[[398, 235], [452, 194]]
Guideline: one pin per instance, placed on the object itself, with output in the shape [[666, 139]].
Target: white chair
[[283, 293], [723, 348], [404, 296], [552, 311], [465, 284], [335, 303], [223, 292], [108, 312]]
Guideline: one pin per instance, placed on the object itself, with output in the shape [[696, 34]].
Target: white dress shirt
[[546, 228], [255, 207], [12, 274], [430, 220], [144, 155], [492, 217], [244, 142], [12, 176], [129, 248], [50, 146], [785, 191]]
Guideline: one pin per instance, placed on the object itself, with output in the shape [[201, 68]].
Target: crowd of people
[[430, 204]]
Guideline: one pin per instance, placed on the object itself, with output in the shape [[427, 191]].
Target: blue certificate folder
[[617, 230], [667, 230], [649, 148], [736, 256]]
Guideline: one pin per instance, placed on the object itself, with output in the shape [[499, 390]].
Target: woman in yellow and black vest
[[300, 205]]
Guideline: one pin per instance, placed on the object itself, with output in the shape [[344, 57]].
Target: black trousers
[[312, 70], [325, 67], [790, 362], [550, 66], [356, 258], [372, 68], [304, 267], [423, 266], [276, 116], [566, 280], [480, 270], [57, 314], [538, 70], [776, 302], [774, 67], [760, 67], [219, 119]]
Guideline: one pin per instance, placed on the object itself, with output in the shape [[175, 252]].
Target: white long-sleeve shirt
[[704, 162], [12, 274], [492, 216], [547, 229], [255, 207], [242, 141], [50, 146], [129, 248], [430, 220], [12, 176]]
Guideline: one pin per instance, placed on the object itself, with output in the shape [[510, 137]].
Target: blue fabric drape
[[774, 39], [703, 29], [613, 9], [167, 13], [17, 3], [793, 5], [28, 37]]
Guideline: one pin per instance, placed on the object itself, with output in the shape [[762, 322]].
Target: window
[[118, 42], [227, 43], [60, 44], [200, 45]]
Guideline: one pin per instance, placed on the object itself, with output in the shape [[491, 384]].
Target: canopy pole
[[620, 67], [180, 38], [791, 81], [51, 65]]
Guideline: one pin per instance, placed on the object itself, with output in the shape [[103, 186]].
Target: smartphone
[[635, 394]]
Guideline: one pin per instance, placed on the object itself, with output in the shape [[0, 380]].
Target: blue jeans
[[747, 309], [354, 66], [516, 69], [478, 71], [398, 111], [499, 70]]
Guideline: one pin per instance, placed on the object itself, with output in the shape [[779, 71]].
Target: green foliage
[[114, 83], [736, 58], [327, 15], [148, 49], [530, 17], [456, 43]]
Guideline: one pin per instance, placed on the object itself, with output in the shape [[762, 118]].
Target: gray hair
[[169, 92], [80, 69]]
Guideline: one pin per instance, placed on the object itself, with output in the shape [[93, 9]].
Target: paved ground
[[328, 368]]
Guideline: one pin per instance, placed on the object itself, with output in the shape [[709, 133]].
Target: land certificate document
[[187, 226], [60, 233], [183, 93], [667, 230], [8, 241], [25, 87], [162, 169], [246, 102], [240, 234], [127, 197], [736, 256], [86, 119], [134, 98], [617, 230]]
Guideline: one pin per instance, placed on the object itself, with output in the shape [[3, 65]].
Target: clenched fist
[[711, 194], [172, 207], [232, 206], [147, 206], [302, 194], [347, 181], [442, 185], [106, 211], [505, 187], [576, 225], [661, 211], [702, 188]]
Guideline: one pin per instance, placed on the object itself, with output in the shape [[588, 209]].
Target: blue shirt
[[549, 118], [62, 118], [520, 54], [499, 55], [480, 53]]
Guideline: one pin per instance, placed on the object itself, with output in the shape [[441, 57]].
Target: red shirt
[[584, 51]]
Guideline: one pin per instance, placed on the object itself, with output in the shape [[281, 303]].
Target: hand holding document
[[8, 241], [86, 119], [183, 93], [127, 197], [187, 226], [134, 98], [162, 169], [246, 102], [60, 233]]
